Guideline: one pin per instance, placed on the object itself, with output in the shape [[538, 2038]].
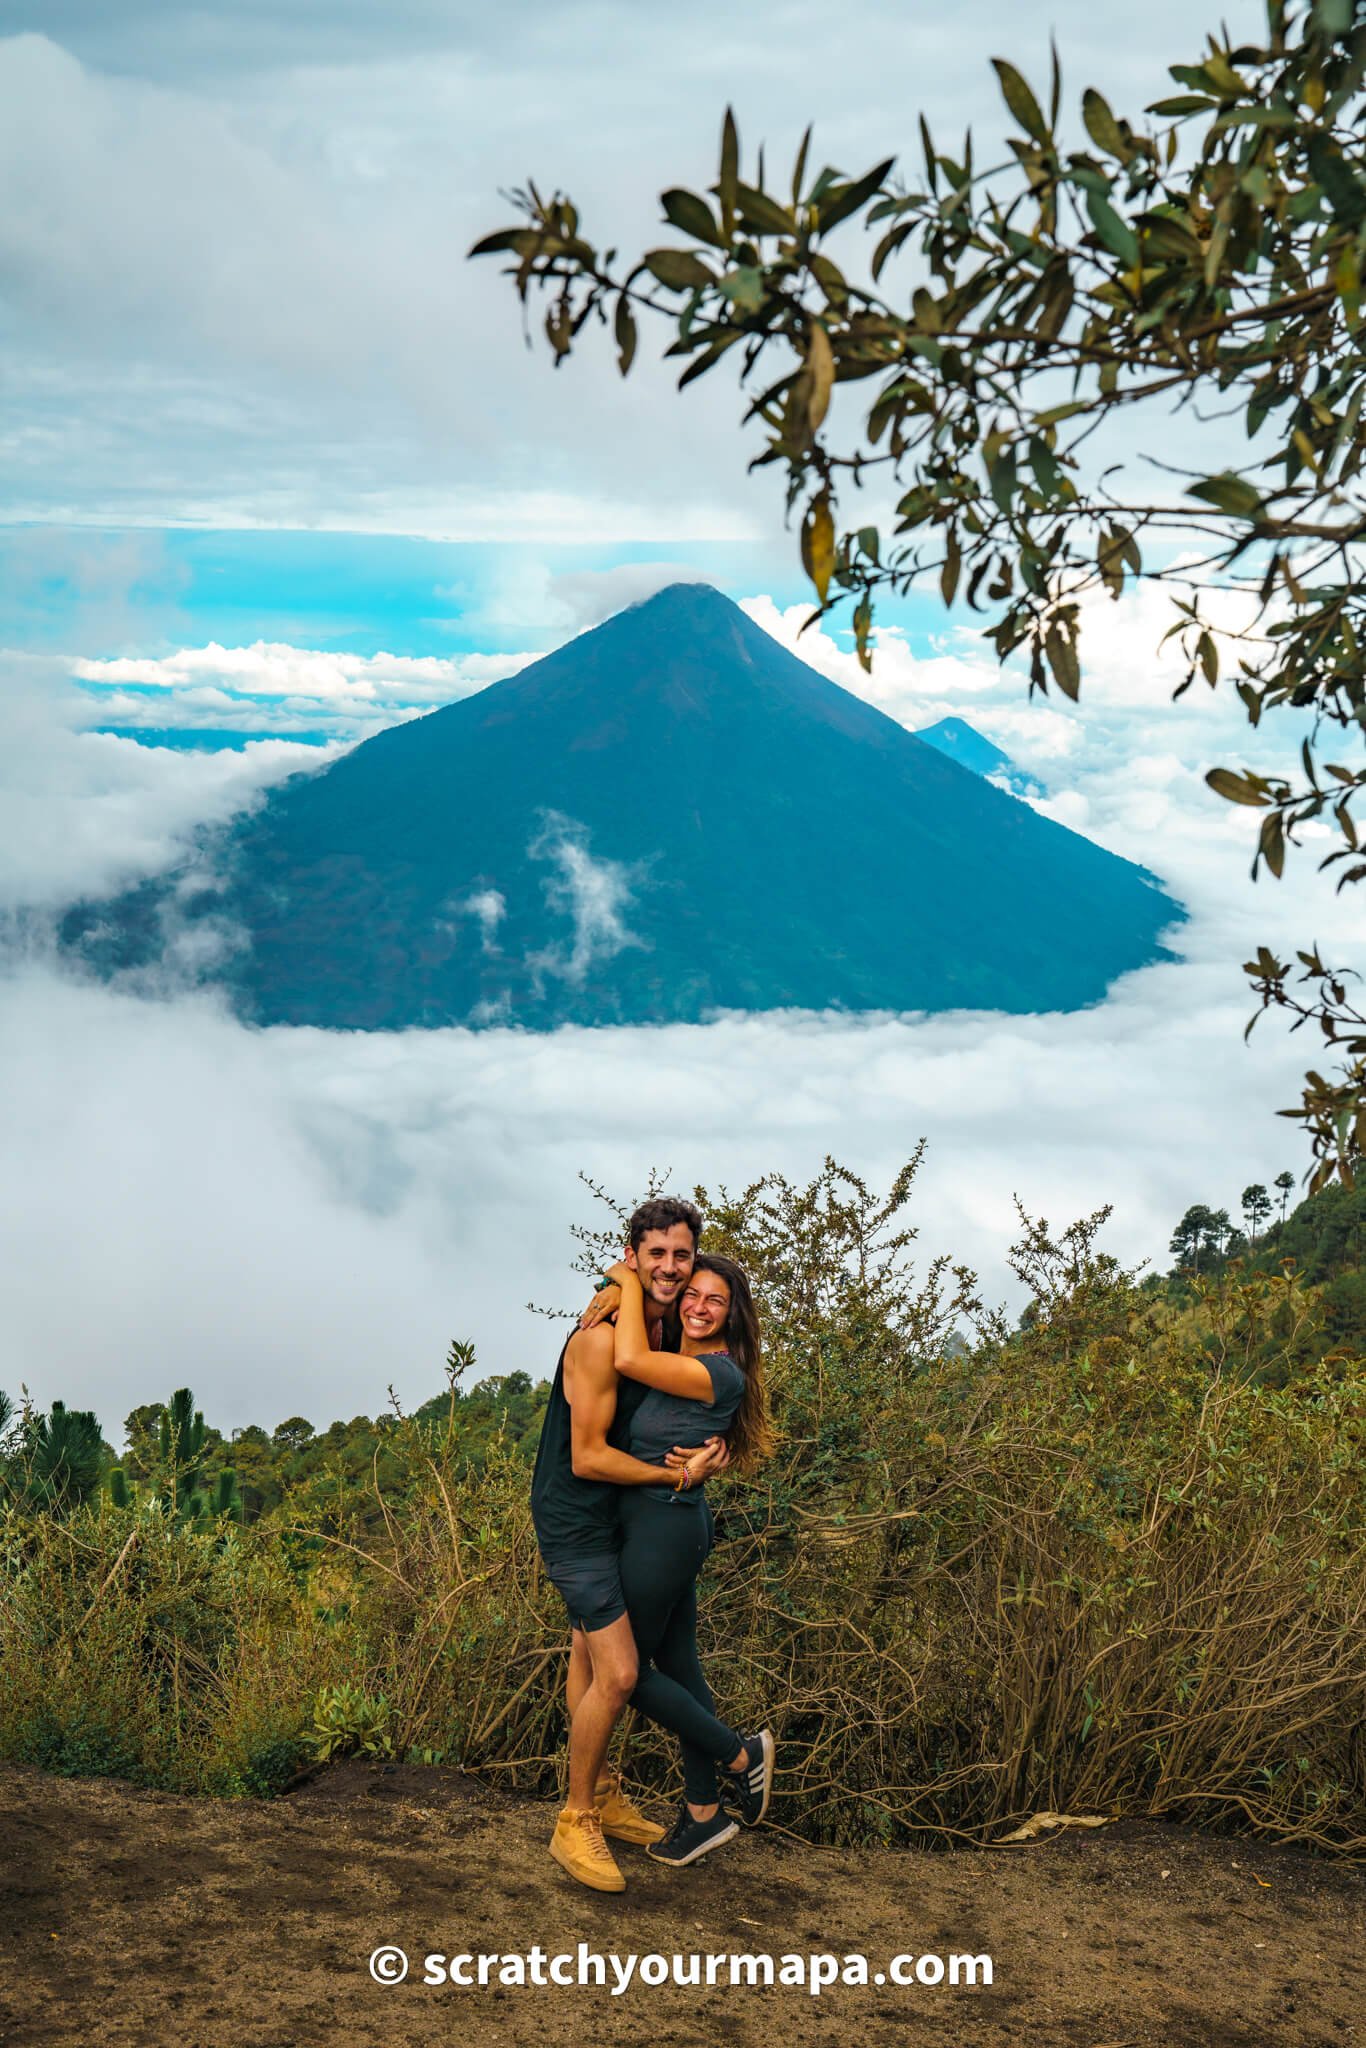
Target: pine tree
[[1256, 1206], [1198, 1228], [63, 1457]]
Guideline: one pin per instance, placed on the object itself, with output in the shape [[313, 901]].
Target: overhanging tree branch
[[1216, 249]]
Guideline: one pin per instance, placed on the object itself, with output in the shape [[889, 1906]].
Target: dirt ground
[[129, 1916]]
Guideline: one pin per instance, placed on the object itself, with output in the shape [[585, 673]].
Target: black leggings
[[664, 1546]]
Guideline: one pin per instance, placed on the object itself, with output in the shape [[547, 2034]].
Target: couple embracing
[[641, 1414]]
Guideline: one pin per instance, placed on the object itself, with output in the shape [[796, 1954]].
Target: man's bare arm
[[591, 1389]]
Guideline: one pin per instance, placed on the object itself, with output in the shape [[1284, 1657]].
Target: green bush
[[348, 1722], [139, 1645]]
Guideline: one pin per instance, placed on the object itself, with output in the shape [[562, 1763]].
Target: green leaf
[[1223, 77], [762, 214], [1101, 125], [1271, 843], [1002, 478], [1056, 413], [927, 145], [1346, 193], [678, 269], [744, 287], [1110, 560], [846, 199], [863, 626], [820, 368], [953, 563], [1044, 464], [730, 173], [1237, 789], [1118, 237], [559, 330], [711, 353], [1061, 649], [624, 327], [1182, 103], [1020, 100], [1193, 75], [799, 168], [518, 240], [1231, 494], [818, 543], [691, 216], [1169, 238]]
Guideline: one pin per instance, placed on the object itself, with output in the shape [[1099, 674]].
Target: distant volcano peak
[[684, 599], [670, 816]]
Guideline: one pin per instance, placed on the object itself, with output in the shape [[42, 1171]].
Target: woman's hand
[[605, 1303], [602, 1307]]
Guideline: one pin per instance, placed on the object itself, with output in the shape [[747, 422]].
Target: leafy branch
[[1212, 248]]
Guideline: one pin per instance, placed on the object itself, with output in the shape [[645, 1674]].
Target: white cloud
[[588, 596], [594, 893], [83, 812], [359, 691], [233, 241], [488, 907], [293, 1219]]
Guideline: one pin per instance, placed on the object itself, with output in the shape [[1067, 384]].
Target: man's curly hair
[[662, 1213]]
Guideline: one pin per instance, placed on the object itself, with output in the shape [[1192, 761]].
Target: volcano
[[669, 817]]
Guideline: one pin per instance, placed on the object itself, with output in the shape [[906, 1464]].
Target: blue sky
[[365, 592], [90, 600]]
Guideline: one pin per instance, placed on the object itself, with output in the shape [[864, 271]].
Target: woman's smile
[[703, 1314]]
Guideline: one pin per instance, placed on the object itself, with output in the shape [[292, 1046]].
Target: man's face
[[663, 1259]]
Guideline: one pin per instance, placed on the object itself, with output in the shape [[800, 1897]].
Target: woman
[[712, 1385]]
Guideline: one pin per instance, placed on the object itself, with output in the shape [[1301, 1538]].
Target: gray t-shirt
[[663, 1420]]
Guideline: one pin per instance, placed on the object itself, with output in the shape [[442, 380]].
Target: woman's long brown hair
[[750, 1437]]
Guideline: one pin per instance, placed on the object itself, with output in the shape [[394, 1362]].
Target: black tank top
[[576, 1517]]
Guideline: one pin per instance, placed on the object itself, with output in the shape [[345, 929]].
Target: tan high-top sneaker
[[620, 1818], [578, 1847]]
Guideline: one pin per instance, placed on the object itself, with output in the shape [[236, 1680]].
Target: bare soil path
[[129, 1916]]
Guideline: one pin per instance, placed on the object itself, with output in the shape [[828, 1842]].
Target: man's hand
[[714, 1456], [602, 1308]]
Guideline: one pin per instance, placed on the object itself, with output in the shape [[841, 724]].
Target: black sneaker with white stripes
[[688, 1839], [749, 1790]]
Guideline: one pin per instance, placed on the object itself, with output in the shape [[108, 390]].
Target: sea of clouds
[[294, 1220]]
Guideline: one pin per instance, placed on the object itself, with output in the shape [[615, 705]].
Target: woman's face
[[704, 1306]]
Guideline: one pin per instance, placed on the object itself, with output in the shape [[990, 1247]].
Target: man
[[579, 1466]]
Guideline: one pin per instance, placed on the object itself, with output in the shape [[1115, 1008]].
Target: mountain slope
[[963, 743], [669, 815]]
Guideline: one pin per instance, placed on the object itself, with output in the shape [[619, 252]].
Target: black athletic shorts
[[590, 1587]]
